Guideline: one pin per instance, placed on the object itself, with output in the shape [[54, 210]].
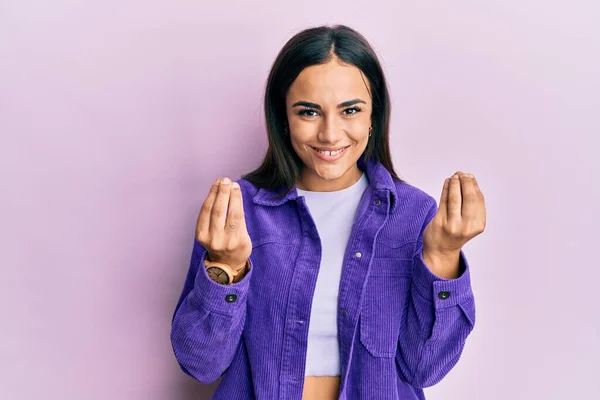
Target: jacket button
[[344, 313], [377, 202], [230, 298], [443, 295], [358, 255]]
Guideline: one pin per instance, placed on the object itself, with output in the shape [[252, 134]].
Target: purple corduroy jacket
[[400, 327]]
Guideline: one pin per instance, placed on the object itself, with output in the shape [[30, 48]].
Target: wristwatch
[[223, 273]]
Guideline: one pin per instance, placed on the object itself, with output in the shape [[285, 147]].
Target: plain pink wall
[[116, 115]]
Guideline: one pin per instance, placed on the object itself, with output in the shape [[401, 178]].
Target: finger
[[206, 209], [481, 213], [470, 199], [235, 215], [454, 198], [443, 207], [477, 189], [219, 209]]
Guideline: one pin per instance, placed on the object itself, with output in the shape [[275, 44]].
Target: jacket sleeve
[[208, 321], [438, 317]]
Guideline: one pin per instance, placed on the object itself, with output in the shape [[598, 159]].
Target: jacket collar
[[379, 177]]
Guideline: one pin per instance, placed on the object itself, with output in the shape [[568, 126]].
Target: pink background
[[116, 115]]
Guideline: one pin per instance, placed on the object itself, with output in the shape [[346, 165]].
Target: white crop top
[[333, 214]]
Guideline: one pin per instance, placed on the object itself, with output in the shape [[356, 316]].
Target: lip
[[326, 157]]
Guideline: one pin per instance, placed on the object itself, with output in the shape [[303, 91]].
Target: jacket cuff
[[442, 292], [215, 297]]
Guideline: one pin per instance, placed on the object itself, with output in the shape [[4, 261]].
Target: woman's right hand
[[221, 226]]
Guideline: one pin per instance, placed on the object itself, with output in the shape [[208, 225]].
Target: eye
[[307, 112], [352, 110]]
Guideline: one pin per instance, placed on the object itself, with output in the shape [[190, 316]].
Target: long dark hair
[[281, 166]]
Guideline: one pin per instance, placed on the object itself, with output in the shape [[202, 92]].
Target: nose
[[330, 132]]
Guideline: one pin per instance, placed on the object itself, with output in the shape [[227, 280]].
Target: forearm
[[208, 322], [439, 317]]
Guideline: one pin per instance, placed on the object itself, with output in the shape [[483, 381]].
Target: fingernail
[[225, 181], [235, 185], [454, 176]]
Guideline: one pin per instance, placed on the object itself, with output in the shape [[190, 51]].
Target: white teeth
[[330, 153]]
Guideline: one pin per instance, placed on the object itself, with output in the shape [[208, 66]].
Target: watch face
[[218, 275]]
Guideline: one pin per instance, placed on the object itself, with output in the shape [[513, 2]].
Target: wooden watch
[[223, 273]]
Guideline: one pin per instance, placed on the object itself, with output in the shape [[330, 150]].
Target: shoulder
[[402, 231], [400, 235], [413, 199], [249, 190]]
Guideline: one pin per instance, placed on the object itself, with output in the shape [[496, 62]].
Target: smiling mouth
[[329, 153]]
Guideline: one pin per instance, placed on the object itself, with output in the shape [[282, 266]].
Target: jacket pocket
[[386, 294]]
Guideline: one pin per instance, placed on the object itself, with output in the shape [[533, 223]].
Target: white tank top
[[333, 214]]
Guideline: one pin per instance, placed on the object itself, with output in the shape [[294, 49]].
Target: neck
[[314, 183]]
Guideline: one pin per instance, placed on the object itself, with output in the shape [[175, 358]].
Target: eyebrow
[[318, 107]]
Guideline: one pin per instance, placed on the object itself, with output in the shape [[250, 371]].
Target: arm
[[207, 325], [439, 315], [440, 311]]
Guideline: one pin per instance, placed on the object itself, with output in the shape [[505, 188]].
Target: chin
[[331, 172]]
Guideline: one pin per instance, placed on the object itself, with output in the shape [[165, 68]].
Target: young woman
[[321, 274]]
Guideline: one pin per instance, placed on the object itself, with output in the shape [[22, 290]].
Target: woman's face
[[329, 115]]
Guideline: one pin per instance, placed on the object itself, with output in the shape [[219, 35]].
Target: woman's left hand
[[460, 217]]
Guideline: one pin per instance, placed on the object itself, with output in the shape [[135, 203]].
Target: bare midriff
[[321, 388]]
